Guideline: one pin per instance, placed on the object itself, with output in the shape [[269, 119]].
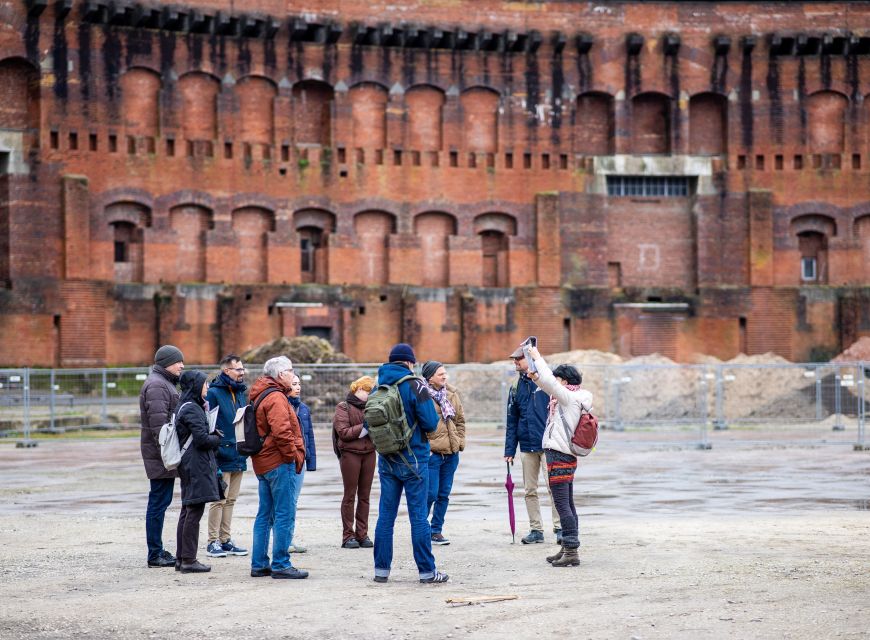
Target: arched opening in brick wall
[[199, 92], [826, 119], [251, 226], [708, 124], [594, 128], [373, 230], [651, 123], [480, 119], [425, 106], [494, 230], [256, 97], [812, 232], [368, 103], [140, 102], [312, 112], [862, 237], [313, 227], [127, 221], [19, 95], [189, 224], [434, 228]]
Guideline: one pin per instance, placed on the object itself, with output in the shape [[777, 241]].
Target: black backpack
[[252, 442]]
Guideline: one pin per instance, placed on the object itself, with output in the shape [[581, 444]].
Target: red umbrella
[[509, 485]]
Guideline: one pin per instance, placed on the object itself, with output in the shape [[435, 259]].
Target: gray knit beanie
[[168, 355]]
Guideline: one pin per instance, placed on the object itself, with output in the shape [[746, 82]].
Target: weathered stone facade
[[672, 177]]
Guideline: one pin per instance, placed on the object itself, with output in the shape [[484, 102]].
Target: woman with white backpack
[[567, 403]]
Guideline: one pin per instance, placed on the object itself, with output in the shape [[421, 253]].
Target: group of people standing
[[211, 468]]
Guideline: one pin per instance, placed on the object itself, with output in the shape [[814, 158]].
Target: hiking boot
[[215, 550], [558, 533], [161, 563], [290, 573], [381, 578], [194, 567], [535, 536], [437, 538], [265, 572], [571, 558], [551, 559], [231, 549], [366, 543], [295, 548], [350, 543], [438, 578]]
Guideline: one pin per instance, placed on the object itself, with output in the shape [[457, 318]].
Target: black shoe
[[350, 543], [290, 573], [261, 573], [380, 578], [366, 543], [168, 556], [438, 578], [194, 567], [161, 562]]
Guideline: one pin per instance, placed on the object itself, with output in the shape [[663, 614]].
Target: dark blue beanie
[[402, 352]]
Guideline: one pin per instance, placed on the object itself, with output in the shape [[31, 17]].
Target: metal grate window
[[655, 186]]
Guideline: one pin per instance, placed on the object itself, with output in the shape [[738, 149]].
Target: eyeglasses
[[237, 369]]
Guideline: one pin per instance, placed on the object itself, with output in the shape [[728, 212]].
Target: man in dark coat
[[527, 411], [157, 401], [228, 393]]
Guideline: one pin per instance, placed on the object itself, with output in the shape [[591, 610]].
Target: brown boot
[[557, 556], [569, 559]]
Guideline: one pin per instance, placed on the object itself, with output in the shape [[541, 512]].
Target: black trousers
[[187, 535], [563, 498]]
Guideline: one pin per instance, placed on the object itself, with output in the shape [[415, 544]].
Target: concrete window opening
[[651, 124], [127, 243], [312, 112], [708, 124], [494, 230], [313, 227], [594, 125]]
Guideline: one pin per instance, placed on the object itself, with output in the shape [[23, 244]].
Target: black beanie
[[168, 355], [429, 368]]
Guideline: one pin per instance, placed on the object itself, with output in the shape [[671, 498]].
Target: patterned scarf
[[554, 403], [440, 396]]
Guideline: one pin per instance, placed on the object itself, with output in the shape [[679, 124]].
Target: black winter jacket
[[157, 400], [527, 411], [198, 468]]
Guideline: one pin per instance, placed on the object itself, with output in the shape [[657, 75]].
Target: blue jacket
[[527, 410], [304, 415], [220, 394], [419, 408]]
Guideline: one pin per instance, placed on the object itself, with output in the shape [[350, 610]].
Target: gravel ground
[[677, 543]]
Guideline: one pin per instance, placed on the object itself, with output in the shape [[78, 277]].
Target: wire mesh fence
[[686, 404]]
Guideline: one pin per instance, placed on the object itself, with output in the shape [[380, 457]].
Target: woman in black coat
[[198, 468]]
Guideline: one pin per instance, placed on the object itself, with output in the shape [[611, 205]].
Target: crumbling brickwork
[[638, 177]]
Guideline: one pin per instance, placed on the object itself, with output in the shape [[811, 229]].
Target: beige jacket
[[449, 437]]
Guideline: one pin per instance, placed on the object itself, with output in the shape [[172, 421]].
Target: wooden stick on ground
[[479, 600]]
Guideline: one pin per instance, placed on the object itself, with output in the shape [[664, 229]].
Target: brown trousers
[[357, 473]]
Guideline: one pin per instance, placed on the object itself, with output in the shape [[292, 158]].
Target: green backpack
[[385, 417]]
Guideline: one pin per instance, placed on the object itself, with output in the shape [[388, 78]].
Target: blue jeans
[[395, 477], [159, 499], [295, 488], [273, 516], [441, 470]]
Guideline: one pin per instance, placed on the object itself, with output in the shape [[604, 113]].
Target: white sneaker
[[215, 550]]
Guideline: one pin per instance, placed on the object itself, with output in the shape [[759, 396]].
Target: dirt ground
[[735, 542]]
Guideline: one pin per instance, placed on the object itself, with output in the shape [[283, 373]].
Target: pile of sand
[[858, 352], [302, 349]]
